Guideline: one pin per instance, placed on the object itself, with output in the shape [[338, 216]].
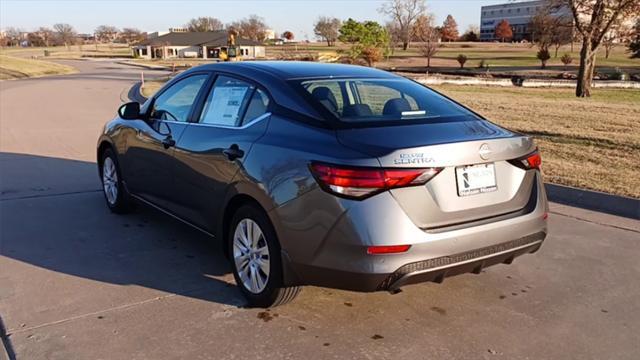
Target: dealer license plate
[[476, 179]]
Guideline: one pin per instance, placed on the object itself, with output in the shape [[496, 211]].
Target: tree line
[[252, 27], [593, 23], [65, 34]]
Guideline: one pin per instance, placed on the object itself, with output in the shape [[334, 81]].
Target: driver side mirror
[[129, 111]]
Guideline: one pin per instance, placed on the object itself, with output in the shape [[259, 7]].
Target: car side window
[[226, 102], [258, 106], [175, 103]]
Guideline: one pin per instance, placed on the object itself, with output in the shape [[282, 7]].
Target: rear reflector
[[528, 162], [387, 249], [361, 182]]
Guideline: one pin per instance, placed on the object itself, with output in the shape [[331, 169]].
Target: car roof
[[287, 70]]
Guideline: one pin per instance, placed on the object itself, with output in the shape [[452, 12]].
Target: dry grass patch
[[151, 86], [589, 143], [71, 52], [16, 68]]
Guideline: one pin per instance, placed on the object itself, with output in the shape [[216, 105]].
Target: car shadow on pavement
[[53, 216]]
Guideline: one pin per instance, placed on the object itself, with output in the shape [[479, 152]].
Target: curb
[[526, 83], [145, 66], [594, 200]]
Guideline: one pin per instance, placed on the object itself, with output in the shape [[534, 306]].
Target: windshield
[[382, 100]]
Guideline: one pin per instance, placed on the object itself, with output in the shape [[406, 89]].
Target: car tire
[[254, 252], [115, 194]]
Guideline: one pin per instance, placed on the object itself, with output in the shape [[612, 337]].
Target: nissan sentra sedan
[[329, 175]]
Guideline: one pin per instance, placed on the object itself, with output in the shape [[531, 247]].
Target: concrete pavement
[[77, 282]]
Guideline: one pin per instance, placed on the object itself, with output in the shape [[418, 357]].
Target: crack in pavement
[[71, 318], [594, 222], [112, 309], [50, 195]]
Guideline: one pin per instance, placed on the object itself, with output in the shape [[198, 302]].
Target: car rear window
[[382, 100]]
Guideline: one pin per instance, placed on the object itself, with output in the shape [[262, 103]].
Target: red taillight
[[531, 161], [360, 182], [387, 249]]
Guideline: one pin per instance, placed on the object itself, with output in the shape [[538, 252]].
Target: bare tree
[[46, 35], [473, 28], [593, 19], [562, 34], [204, 23], [619, 33], [132, 35], [253, 28], [634, 41], [395, 38], [106, 33], [13, 35], [327, 28], [404, 14], [550, 28], [428, 35], [472, 34], [65, 33]]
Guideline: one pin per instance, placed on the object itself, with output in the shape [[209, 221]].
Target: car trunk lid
[[453, 146]]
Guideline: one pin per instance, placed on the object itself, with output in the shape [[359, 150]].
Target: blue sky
[[153, 15]]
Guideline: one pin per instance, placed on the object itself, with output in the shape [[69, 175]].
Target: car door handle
[[168, 142], [233, 152]]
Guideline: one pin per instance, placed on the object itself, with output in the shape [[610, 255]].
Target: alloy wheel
[[251, 256], [110, 180]]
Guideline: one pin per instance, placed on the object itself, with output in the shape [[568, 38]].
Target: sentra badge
[[416, 158]]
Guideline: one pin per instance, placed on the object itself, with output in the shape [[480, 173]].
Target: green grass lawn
[[16, 68], [151, 86], [495, 54]]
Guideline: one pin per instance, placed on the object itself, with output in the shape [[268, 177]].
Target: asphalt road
[[77, 282]]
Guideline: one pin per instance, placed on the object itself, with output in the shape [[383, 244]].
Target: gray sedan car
[[323, 174]]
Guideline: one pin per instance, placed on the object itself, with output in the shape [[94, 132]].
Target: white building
[[270, 34], [206, 45], [518, 14]]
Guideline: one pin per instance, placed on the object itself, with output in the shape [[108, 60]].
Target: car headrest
[[357, 110], [396, 106], [324, 95], [256, 107]]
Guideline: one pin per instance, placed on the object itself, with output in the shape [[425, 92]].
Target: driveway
[[77, 282]]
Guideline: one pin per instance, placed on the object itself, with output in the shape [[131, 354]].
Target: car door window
[[226, 102], [258, 106], [174, 104]]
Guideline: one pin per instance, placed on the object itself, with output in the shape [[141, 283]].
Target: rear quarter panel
[[276, 173]]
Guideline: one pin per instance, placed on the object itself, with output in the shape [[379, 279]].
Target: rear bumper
[[468, 262], [323, 249], [431, 270]]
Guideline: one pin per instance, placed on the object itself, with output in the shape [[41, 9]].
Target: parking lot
[[77, 282]]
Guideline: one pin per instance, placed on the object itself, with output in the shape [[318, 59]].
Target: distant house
[[86, 38], [206, 45]]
